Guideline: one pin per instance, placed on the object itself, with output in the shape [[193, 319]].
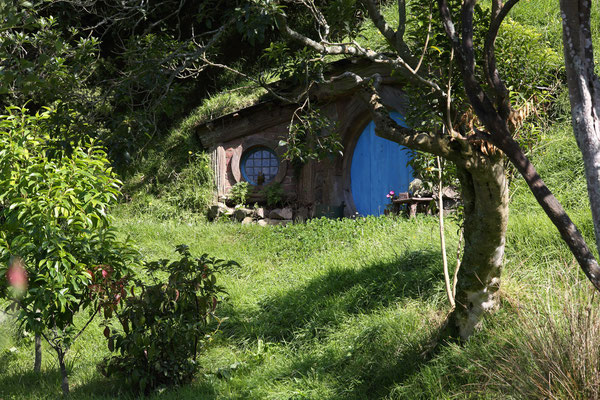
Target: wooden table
[[412, 202]]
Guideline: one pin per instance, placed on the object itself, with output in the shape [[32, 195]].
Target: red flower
[[17, 275]]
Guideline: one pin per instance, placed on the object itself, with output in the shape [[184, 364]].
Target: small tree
[[54, 223]]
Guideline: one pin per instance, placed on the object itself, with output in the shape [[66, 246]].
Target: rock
[[281, 213], [247, 221], [301, 214], [450, 193], [263, 222], [240, 213], [283, 222], [259, 212], [216, 211]]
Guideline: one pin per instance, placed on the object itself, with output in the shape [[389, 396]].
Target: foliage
[[54, 223], [274, 194], [424, 167], [41, 62], [166, 324], [239, 192], [312, 136], [168, 176], [193, 187]]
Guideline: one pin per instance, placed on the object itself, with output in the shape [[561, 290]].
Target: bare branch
[[246, 76], [86, 325], [426, 43], [355, 49], [395, 39], [499, 12]]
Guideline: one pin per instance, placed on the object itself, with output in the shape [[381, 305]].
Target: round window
[[259, 165]]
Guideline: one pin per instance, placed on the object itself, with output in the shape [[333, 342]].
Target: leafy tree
[[54, 224]]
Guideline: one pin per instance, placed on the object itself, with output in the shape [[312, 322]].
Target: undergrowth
[[176, 172]]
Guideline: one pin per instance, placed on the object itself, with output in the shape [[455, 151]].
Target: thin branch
[[354, 49], [426, 43], [256, 81], [449, 291], [86, 325], [458, 261]]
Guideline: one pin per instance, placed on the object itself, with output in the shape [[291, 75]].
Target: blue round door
[[378, 166]]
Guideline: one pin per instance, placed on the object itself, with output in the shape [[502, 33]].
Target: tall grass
[[553, 350]]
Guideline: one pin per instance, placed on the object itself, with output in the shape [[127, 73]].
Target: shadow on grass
[[101, 388], [27, 384], [328, 299], [362, 361], [19, 384]]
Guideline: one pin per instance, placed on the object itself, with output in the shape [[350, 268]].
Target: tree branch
[[499, 12], [89, 321], [355, 49], [394, 38], [431, 142], [500, 136]]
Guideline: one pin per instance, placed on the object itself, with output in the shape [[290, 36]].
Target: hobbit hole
[[244, 146]]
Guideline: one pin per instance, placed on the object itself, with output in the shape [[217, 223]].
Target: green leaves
[[312, 136], [165, 324], [53, 216], [239, 193]]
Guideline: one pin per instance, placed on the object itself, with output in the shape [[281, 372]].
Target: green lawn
[[327, 310]]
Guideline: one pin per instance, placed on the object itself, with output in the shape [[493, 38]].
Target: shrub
[[165, 324], [239, 193], [274, 194], [193, 187]]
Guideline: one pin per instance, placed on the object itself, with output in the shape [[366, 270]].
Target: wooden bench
[[413, 202]]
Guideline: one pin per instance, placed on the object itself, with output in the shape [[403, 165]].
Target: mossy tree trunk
[[485, 197]]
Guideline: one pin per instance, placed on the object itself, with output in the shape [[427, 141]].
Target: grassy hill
[[351, 309]]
